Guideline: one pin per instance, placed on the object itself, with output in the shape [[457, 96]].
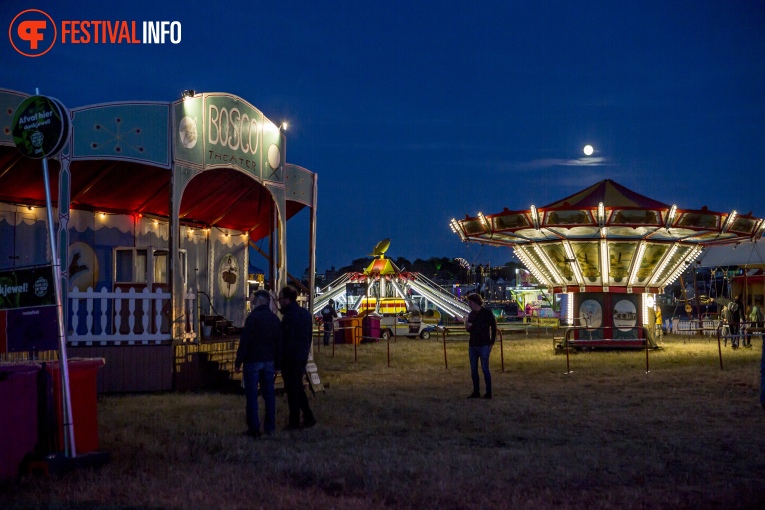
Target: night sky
[[412, 113]]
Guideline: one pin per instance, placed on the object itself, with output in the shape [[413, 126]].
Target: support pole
[[719, 347], [70, 449], [645, 332], [388, 340], [312, 245], [446, 362], [501, 349], [568, 362]]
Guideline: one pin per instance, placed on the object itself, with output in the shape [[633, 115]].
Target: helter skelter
[[611, 250]]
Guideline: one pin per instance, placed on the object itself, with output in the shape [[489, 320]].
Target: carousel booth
[[611, 250], [155, 205]]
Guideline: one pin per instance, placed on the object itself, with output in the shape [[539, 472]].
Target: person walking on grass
[[297, 330], [482, 326], [259, 351]]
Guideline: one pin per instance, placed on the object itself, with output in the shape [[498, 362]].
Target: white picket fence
[[687, 327], [136, 317]]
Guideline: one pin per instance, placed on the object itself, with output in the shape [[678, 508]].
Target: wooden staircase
[[220, 327], [219, 370]]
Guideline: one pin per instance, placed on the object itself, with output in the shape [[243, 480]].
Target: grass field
[[608, 435]]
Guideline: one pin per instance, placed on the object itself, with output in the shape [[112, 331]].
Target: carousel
[[609, 250]]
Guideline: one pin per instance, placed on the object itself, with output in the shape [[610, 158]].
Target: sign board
[[28, 318], [220, 130], [312, 373], [40, 127], [548, 322], [313, 377], [356, 289]]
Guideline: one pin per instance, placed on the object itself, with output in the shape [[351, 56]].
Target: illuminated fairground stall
[[155, 206], [610, 251]]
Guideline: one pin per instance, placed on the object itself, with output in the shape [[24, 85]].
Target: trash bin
[[83, 374], [349, 331], [370, 326], [18, 415]]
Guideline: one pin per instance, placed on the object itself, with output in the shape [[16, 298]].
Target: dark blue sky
[[415, 112]]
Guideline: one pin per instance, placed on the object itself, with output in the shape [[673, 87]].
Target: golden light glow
[[636, 263], [664, 263], [535, 216], [671, 216], [572, 260]]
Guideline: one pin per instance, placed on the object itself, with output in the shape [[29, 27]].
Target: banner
[[28, 310], [26, 287]]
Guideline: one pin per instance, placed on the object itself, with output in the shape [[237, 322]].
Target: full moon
[[588, 150]]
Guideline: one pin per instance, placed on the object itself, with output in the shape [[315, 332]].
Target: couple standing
[[267, 345]]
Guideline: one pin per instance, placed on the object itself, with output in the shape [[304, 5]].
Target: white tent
[[744, 254]]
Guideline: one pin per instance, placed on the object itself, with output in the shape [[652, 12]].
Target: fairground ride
[[384, 288], [611, 250]]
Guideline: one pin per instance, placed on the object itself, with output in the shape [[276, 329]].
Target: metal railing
[[571, 329]]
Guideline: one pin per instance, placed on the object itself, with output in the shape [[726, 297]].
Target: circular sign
[[625, 315], [187, 131], [40, 127], [228, 276], [274, 157], [590, 314]]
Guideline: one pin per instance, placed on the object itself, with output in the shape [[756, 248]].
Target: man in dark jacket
[[482, 326], [736, 309], [328, 316], [259, 351], [297, 330]]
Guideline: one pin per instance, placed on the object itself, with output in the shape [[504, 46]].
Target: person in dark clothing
[[328, 316], [297, 329], [482, 326], [762, 376], [736, 309], [259, 351]]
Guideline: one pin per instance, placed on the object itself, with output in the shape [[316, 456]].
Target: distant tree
[[403, 264], [357, 266]]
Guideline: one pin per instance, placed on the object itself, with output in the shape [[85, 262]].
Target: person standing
[[328, 316], [259, 352], [755, 322], [297, 329], [725, 318], [762, 376], [482, 326], [736, 309], [659, 330]]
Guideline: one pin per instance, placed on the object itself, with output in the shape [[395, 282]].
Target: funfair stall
[[156, 204]]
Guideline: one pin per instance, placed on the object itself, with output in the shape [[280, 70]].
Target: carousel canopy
[[608, 238]]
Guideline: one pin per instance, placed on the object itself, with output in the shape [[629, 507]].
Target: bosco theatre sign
[[220, 130]]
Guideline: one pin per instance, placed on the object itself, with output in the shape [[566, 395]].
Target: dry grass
[[686, 435]]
